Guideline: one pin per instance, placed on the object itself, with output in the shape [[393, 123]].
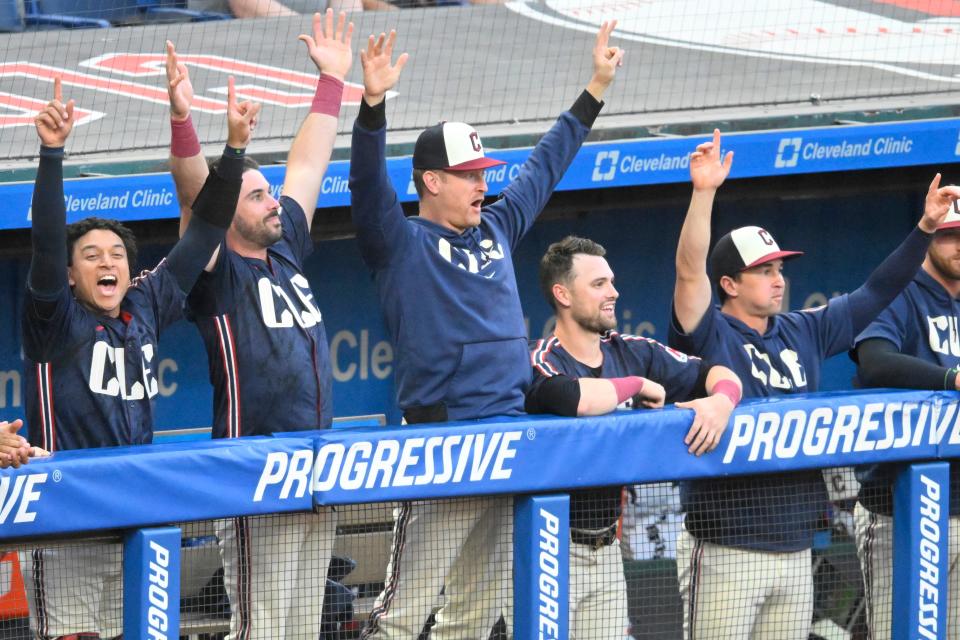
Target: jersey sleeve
[[678, 373], [158, 295], [526, 196], [699, 341], [295, 231], [46, 324], [890, 325], [214, 293], [382, 228], [830, 326]]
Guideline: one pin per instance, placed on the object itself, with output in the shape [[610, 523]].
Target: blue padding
[[137, 486], [151, 583], [541, 572]]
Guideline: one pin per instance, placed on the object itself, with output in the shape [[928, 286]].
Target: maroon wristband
[[328, 96], [183, 138], [728, 388], [627, 387]]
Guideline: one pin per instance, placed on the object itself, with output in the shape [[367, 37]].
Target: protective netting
[[644, 564], [497, 63]]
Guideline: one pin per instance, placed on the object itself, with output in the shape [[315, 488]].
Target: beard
[[948, 268], [597, 323], [258, 233]]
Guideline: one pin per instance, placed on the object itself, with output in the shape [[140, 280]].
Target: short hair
[[418, 181], [721, 294], [249, 164], [81, 228], [557, 263]]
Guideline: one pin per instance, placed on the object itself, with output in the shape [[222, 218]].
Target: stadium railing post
[[921, 509], [151, 583], [541, 568]]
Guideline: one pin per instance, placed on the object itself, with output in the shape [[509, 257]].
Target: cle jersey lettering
[[943, 335], [279, 311], [466, 259], [108, 372], [768, 375]]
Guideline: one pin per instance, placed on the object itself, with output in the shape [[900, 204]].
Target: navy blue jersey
[[264, 335], [921, 322], [90, 379], [450, 300], [623, 355], [775, 512]]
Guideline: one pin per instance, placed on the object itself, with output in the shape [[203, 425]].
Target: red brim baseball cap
[[451, 146], [745, 248]]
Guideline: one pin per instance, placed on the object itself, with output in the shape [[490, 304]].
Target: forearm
[[597, 397], [694, 244], [881, 365], [722, 381], [312, 147], [888, 280], [48, 262], [212, 214], [187, 166]]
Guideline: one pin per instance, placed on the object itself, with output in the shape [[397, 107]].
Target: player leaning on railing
[[449, 298], [587, 368], [266, 343], [743, 557], [90, 337], [912, 344]]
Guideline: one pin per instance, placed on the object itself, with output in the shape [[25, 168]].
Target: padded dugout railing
[[536, 459]]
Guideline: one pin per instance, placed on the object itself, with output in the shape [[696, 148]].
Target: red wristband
[[728, 388], [183, 138], [328, 97], [627, 387]]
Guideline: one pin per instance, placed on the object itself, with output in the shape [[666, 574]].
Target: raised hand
[[179, 87], [710, 418], [241, 118], [329, 48], [606, 59], [380, 73], [55, 121], [707, 171], [937, 204]]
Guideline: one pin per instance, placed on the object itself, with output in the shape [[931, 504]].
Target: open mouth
[[608, 308], [477, 204], [107, 285]]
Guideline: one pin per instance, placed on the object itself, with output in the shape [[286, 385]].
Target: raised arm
[[898, 269], [309, 156], [48, 234], [527, 195], [692, 292], [216, 203], [187, 164], [374, 206]]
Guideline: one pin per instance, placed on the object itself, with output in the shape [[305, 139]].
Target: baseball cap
[[452, 146], [744, 248], [952, 219]]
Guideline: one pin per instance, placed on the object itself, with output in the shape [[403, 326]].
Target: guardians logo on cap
[[451, 146], [744, 248], [952, 219]]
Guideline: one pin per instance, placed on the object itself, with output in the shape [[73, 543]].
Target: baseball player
[[912, 343], [450, 302], [90, 337], [586, 368], [266, 344], [744, 555]]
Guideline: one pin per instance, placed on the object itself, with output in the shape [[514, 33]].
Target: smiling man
[[744, 555], [449, 298], [587, 368], [90, 336]]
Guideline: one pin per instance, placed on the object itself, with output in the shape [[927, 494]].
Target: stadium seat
[[11, 15], [81, 14]]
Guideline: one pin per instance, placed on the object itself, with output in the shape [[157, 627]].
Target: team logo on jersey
[[471, 261], [943, 335], [280, 311], [763, 370], [109, 376]]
